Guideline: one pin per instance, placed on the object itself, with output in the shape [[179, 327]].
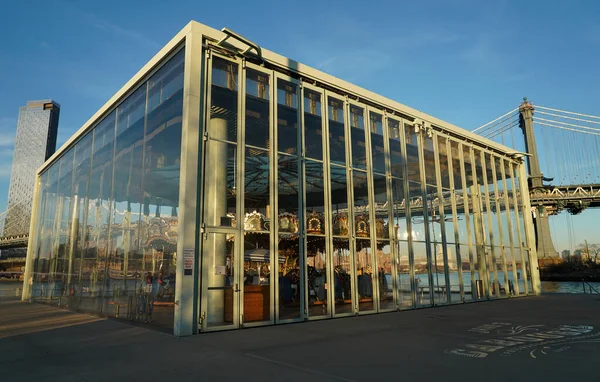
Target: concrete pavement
[[547, 338]]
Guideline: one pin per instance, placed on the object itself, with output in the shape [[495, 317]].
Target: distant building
[[35, 142]]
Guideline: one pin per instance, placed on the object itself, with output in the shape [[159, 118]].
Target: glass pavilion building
[[226, 186]]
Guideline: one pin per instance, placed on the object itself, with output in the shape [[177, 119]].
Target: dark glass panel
[[258, 109], [313, 125], [337, 143], [287, 117]]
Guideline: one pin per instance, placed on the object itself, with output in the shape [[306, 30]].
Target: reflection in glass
[[404, 288], [313, 126], [429, 159], [454, 272], [287, 187], [339, 200], [359, 145], [395, 151], [316, 276], [289, 277], [421, 274], [416, 207], [257, 277], [224, 100], [337, 143], [256, 184], [220, 184], [257, 109], [412, 153], [399, 211], [443, 159], [342, 264], [380, 198], [364, 272], [119, 211], [468, 281], [361, 204], [287, 117], [386, 285], [219, 249], [438, 268], [378, 153]]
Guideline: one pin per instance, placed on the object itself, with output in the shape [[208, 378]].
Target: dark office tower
[[34, 144]]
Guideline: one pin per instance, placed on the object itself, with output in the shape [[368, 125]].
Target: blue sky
[[466, 62]]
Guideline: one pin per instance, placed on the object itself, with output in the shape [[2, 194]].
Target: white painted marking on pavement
[[300, 368]]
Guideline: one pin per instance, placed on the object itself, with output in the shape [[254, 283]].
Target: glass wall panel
[[317, 276], [288, 244], [337, 133], [257, 109], [342, 262], [404, 286], [416, 210], [453, 270], [386, 285], [219, 251], [42, 276], [396, 162], [377, 149], [63, 267], [399, 211], [361, 204], [287, 117], [421, 265], [357, 137], [364, 272], [468, 279], [126, 255], [95, 254], [381, 207], [316, 283], [224, 100], [256, 184], [257, 239], [289, 276], [339, 200], [412, 153], [34, 280], [221, 155], [83, 157], [313, 125], [257, 272], [159, 222]]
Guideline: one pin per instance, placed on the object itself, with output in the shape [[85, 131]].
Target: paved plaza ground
[[546, 338]]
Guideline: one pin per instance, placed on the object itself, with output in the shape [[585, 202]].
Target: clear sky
[[466, 62]]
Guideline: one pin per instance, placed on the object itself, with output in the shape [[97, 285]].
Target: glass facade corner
[[107, 231]]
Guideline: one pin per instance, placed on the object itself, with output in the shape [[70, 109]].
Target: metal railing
[[591, 288]]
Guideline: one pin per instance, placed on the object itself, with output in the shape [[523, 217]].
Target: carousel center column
[[215, 206]]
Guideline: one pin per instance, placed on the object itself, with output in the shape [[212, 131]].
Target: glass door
[[221, 206], [221, 284]]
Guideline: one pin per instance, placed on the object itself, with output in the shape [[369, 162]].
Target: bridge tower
[[545, 246]]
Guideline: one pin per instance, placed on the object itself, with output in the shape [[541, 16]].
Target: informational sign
[[188, 261], [221, 270]]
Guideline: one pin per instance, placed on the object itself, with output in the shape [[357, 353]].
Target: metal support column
[[185, 289]]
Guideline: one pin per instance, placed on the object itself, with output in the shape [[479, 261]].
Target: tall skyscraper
[[35, 142]]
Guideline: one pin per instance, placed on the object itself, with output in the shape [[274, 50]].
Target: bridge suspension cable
[[567, 112], [496, 121]]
